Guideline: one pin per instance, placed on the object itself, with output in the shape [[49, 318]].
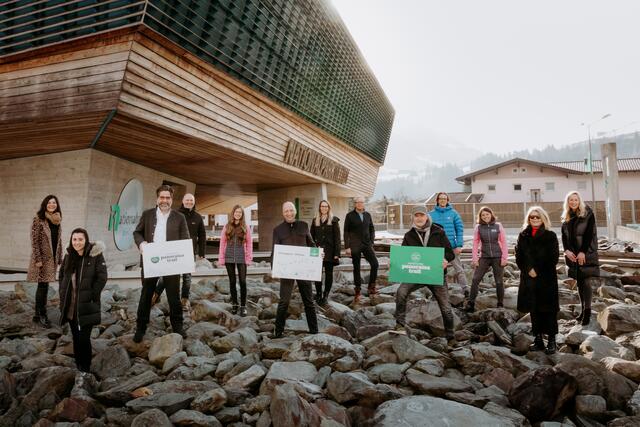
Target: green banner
[[416, 264]]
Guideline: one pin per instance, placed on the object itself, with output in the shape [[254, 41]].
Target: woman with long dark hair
[[325, 230], [580, 243], [236, 252], [46, 253], [82, 277], [537, 254]]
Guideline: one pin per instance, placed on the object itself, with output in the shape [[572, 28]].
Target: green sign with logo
[[416, 264]]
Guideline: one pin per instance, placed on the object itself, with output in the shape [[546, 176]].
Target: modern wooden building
[[234, 100]]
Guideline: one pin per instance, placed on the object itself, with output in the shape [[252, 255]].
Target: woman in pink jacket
[[236, 252], [489, 250]]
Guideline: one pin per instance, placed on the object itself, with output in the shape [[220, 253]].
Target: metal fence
[[511, 215]]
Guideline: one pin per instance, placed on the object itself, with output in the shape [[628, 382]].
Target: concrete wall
[[270, 207], [108, 176], [534, 179], [24, 182], [87, 182]]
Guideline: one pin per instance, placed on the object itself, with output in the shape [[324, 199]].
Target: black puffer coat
[[580, 234], [327, 237], [93, 278], [540, 253]]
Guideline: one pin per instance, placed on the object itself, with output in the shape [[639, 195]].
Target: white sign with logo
[[168, 258], [297, 262], [126, 214]]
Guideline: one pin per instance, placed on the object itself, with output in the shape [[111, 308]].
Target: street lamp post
[[593, 192]]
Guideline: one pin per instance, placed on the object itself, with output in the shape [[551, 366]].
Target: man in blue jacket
[[447, 217]]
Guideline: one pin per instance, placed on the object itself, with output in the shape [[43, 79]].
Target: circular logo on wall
[[126, 214]]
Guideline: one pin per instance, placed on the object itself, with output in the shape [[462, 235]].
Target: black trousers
[[286, 289], [172, 284], [584, 291], [544, 322], [81, 345], [186, 286], [370, 256], [328, 280], [242, 276], [41, 298]]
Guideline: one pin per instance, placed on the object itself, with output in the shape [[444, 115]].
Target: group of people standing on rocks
[[83, 271]]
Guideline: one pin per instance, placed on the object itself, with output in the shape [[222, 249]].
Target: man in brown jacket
[[160, 224]]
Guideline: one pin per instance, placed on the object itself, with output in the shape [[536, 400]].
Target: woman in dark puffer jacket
[[82, 277], [580, 243]]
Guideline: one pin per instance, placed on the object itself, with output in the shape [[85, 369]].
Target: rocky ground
[[356, 371]]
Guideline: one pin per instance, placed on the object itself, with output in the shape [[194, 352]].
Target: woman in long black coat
[[580, 243], [325, 230], [82, 277], [537, 254]]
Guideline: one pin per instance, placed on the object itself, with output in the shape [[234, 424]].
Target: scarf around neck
[[55, 218]]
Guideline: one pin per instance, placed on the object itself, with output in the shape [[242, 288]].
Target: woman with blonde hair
[[537, 254], [580, 243], [325, 230], [490, 241], [236, 252]]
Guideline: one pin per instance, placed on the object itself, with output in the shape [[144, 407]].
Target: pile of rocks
[[357, 371]]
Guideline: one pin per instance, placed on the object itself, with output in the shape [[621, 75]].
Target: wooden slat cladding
[[190, 158], [65, 84], [36, 137], [189, 96]]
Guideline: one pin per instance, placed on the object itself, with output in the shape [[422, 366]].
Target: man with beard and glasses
[[199, 237], [160, 224]]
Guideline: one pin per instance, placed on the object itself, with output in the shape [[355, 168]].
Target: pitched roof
[[624, 165], [459, 197], [571, 167], [515, 160]]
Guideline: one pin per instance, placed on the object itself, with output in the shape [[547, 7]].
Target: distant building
[[528, 181]]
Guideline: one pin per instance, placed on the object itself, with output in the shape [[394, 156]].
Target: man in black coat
[[425, 233], [294, 233], [359, 235], [198, 236], [160, 224]]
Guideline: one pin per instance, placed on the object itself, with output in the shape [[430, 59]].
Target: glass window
[[517, 187], [492, 187], [550, 186]]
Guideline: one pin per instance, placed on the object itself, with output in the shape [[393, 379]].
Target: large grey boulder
[[433, 411], [618, 319]]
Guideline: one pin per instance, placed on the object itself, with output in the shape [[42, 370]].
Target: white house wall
[[533, 178]]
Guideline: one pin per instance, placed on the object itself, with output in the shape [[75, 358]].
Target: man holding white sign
[[158, 225], [293, 233]]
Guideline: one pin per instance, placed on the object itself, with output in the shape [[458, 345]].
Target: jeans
[[328, 280], [186, 286], [456, 264], [286, 289], [172, 284], [242, 275], [440, 293], [81, 345], [370, 256], [498, 271], [41, 298]]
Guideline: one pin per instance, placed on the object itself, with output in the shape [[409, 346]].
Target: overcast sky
[[498, 75]]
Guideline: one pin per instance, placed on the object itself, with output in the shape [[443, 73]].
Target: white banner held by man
[[297, 262], [168, 258]]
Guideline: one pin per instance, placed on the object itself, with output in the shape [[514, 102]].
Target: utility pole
[[612, 194]]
